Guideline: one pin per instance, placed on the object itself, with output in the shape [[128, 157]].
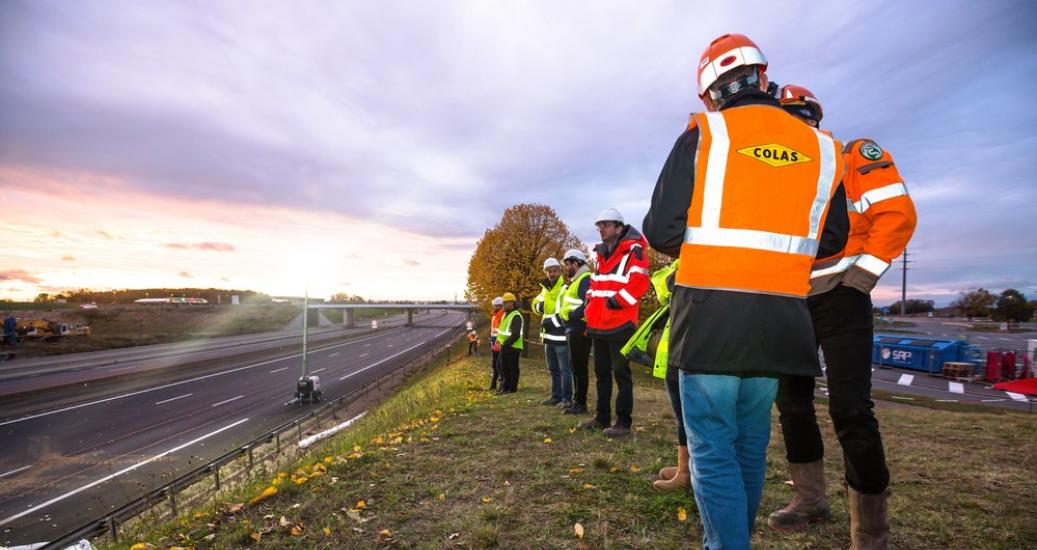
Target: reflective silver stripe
[[716, 169], [878, 195], [636, 269], [576, 301], [825, 181], [554, 337], [750, 238], [843, 264], [601, 293], [872, 265], [627, 296], [615, 278]]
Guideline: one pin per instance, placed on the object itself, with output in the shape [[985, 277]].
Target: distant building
[[172, 300]]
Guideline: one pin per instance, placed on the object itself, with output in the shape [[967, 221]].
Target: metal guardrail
[[110, 522]]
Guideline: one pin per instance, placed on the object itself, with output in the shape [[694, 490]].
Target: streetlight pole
[[305, 327]]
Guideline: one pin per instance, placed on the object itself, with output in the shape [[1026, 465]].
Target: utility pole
[[305, 327], [903, 288]]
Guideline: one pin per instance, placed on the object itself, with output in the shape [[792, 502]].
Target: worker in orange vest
[[748, 197], [498, 314], [882, 221]]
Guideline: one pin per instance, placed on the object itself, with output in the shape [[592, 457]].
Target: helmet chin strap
[[722, 94]]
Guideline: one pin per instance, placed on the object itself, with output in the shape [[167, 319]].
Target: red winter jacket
[[619, 280]]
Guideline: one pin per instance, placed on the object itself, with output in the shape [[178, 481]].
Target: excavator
[[43, 329]]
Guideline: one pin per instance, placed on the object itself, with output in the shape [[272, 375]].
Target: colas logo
[[775, 155]]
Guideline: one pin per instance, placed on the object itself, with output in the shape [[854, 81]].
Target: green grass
[[445, 464]]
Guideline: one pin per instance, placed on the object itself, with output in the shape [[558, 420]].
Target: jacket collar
[[629, 236]]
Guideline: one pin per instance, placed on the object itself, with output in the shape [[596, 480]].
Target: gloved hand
[[612, 303], [496, 346]]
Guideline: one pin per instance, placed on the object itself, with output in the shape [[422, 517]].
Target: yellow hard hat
[[509, 297]]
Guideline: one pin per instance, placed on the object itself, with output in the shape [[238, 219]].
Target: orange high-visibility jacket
[[495, 324], [763, 181], [882, 220]]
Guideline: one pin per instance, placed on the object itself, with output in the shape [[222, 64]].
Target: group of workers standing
[[779, 232]]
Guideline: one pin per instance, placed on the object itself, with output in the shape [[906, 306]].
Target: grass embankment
[[445, 464]]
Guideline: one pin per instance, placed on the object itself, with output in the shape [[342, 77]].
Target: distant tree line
[[127, 296], [1010, 305]]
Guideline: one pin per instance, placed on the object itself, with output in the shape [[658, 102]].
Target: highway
[[66, 463]]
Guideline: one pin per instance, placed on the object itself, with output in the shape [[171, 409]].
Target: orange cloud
[[216, 247], [19, 275]]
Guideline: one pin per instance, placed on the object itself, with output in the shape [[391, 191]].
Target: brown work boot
[[592, 424], [869, 529], [681, 480], [809, 504], [616, 430]]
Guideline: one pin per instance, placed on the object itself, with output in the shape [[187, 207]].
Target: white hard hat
[[609, 215], [551, 262], [498, 301], [575, 254]]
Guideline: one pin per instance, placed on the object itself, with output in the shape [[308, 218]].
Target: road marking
[[15, 471], [188, 381], [946, 400], [127, 469], [372, 365], [903, 398], [992, 400], [226, 401], [333, 354], [906, 379], [174, 398], [367, 345], [1016, 396], [983, 337], [278, 370], [391, 346], [318, 370], [1003, 338], [362, 355], [123, 368], [956, 387]]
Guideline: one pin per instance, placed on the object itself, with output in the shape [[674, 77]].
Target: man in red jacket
[[613, 300]]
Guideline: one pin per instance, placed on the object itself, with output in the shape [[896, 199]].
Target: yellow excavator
[[43, 329]]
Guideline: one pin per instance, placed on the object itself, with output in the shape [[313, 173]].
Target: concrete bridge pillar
[[349, 318], [410, 317]]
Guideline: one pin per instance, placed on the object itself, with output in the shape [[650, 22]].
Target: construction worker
[[882, 221], [746, 198], [547, 305], [573, 301], [613, 300], [498, 313], [473, 342], [509, 339], [11, 330]]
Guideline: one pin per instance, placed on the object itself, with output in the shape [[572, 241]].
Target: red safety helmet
[[800, 102], [722, 55]]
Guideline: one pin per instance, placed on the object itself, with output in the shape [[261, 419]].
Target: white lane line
[[174, 398], [333, 354], [127, 469], [992, 400], [278, 370], [946, 400], [15, 471], [226, 401], [188, 381], [956, 387], [391, 346], [906, 379], [123, 368], [1016, 396], [367, 345], [362, 355], [983, 337], [903, 398], [1003, 338], [372, 365], [318, 370]]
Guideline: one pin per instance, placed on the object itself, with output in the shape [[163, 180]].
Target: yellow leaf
[[256, 536], [442, 496], [356, 448], [579, 530], [360, 505], [682, 514], [328, 460], [141, 546], [486, 500], [385, 533], [613, 469], [575, 471], [267, 493], [547, 440], [283, 521], [588, 486], [300, 480], [296, 531], [634, 468], [327, 532]]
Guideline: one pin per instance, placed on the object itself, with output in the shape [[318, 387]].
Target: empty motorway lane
[[62, 467]]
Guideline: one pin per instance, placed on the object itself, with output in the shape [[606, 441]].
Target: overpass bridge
[[349, 310]]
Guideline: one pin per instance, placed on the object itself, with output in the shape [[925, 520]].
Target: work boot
[[869, 529], [575, 409], [592, 424], [550, 401], [564, 404], [616, 430], [681, 480], [809, 504]]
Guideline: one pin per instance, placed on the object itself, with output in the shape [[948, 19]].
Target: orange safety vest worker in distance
[[758, 208], [882, 221]]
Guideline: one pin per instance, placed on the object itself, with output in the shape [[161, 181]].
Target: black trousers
[[579, 358], [495, 365], [843, 329], [509, 366], [610, 364]]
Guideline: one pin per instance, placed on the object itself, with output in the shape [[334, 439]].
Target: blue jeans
[[729, 425], [561, 374]]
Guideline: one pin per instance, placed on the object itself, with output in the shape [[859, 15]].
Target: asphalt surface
[[61, 467]]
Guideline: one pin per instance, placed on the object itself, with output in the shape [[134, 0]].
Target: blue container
[[921, 354]]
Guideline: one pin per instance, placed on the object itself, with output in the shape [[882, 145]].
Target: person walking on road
[[547, 304], [509, 340], [882, 221], [613, 300], [579, 344], [498, 314], [745, 201]]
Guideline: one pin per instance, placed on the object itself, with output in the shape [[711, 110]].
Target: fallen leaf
[[284, 521], [327, 532], [235, 508], [385, 533], [572, 430], [588, 486], [265, 494], [682, 514], [547, 440], [613, 469], [360, 505], [634, 468], [296, 530], [790, 482], [579, 530], [441, 496], [575, 471], [486, 500], [453, 536], [141, 546]]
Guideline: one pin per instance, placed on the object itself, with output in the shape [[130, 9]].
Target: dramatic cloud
[[185, 275], [216, 247], [19, 275], [68, 259]]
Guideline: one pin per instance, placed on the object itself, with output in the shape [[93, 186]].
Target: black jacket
[[727, 332]]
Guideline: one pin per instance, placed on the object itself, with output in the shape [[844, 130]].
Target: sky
[[364, 147]]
